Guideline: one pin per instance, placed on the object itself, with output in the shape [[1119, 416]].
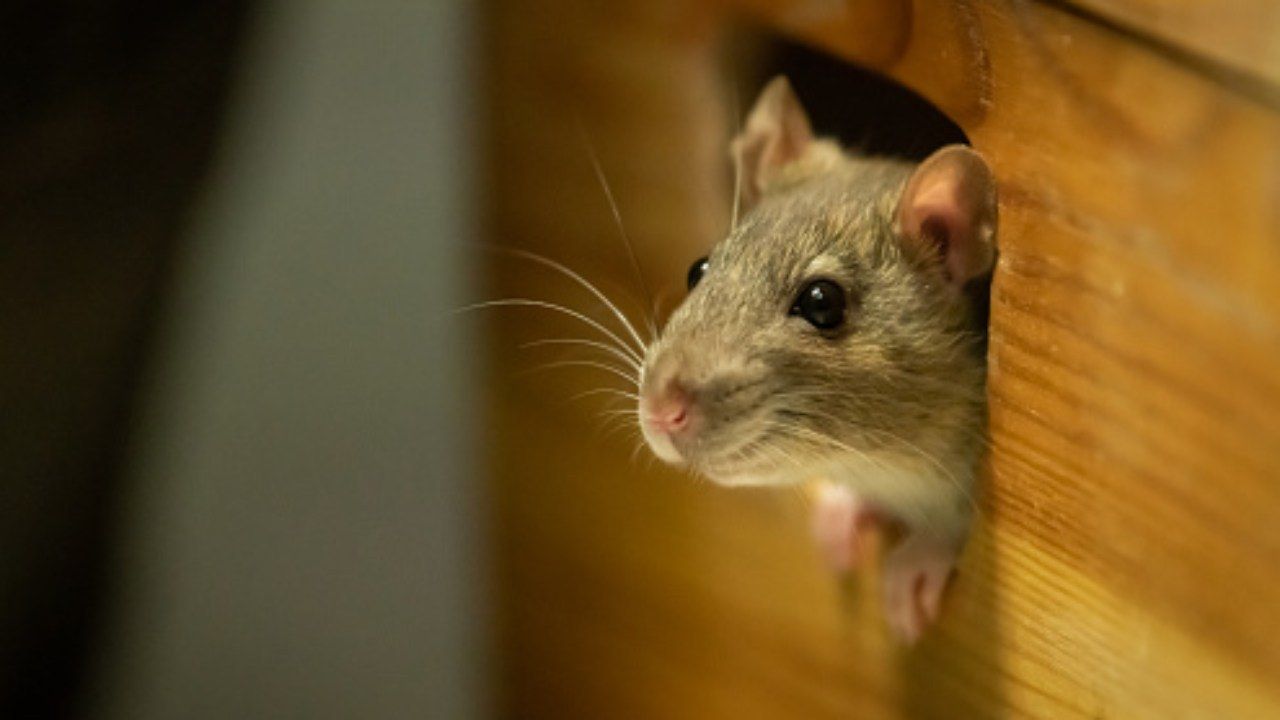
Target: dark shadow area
[[863, 110], [109, 112]]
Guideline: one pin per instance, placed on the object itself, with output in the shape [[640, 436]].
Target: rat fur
[[889, 407]]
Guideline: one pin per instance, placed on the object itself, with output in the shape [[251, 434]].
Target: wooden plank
[[1127, 562], [1243, 38]]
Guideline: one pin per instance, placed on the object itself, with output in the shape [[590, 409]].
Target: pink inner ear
[[749, 151], [776, 133], [936, 215], [949, 203]]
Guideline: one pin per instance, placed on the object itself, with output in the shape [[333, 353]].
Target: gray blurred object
[[109, 114], [301, 537]]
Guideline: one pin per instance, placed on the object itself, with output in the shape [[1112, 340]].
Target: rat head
[[832, 321]]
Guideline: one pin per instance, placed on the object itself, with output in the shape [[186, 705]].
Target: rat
[[831, 336]]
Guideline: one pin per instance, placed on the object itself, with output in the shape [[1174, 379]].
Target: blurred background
[[239, 461], [256, 463], [241, 447]]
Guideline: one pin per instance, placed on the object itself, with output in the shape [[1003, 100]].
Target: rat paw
[[838, 518], [916, 574]]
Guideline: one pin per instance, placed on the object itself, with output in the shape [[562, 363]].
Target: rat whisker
[[610, 426], [622, 231], [780, 455], [581, 363], [897, 439], [911, 447], [823, 439], [950, 476], [614, 393], [526, 302], [612, 423], [856, 397], [845, 447], [636, 452], [943, 387], [638, 441], [830, 439], [589, 343], [584, 283], [737, 167], [615, 421], [757, 451], [606, 390]]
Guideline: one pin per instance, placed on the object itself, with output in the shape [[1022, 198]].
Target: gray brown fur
[[893, 403]]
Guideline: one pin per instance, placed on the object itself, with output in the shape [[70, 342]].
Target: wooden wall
[[1127, 560]]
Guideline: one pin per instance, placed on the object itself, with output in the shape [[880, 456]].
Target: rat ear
[[777, 132], [950, 204]]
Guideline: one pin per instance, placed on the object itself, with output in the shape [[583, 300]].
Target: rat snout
[[669, 415], [698, 402], [668, 409]]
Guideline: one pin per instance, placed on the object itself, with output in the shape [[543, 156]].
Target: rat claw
[[916, 575], [838, 518], [931, 593]]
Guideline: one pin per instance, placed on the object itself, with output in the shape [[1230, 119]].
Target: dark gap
[[865, 111]]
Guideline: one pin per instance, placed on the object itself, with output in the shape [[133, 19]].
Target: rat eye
[[696, 270], [822, 303]]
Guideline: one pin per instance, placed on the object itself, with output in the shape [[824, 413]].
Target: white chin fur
[[662, 446], [752, 479]]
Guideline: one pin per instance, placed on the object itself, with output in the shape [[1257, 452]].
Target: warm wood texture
[[1127, 562], [1241, 36]]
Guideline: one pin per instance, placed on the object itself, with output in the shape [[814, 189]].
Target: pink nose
[[668, 411]]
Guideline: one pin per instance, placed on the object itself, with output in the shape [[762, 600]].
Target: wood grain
[[1242, 39], [1127, 561]]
